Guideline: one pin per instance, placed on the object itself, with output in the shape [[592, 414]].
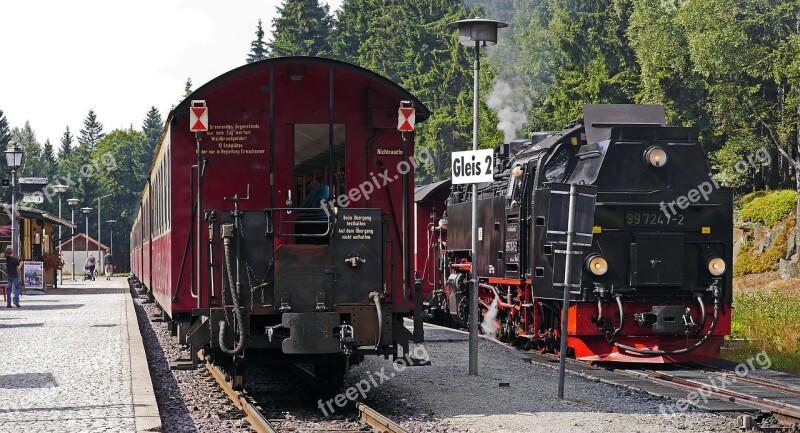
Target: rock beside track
[[189, 401], [511, 394]]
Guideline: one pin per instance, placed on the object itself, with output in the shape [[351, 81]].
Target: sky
[[59, 59]]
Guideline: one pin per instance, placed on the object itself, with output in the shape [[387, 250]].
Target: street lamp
[[98, 223], [14, 161], [474, 32], [87, 211], [72, 202], [60, 189], [111, 250]]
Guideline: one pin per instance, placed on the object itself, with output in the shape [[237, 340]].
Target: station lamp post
[[60, 189], [98, 223], [111, 250], [73, 202], [14, 161], [87, 211], [112, 222], [475, 32]]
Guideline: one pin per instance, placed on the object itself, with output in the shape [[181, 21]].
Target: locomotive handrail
[[270, 215]]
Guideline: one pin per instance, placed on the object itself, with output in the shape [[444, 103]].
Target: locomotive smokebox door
[[357, 255]]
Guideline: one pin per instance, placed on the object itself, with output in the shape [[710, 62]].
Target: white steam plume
[[489, 323], [511, 105]]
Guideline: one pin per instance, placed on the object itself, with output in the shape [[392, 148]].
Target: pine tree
[[187, 88], [5, 141], [5, 132], [49, 163], [65, 148], [49, 169], [92, 132], [31, 151], [301, 28], [151, 128], [258, 48]]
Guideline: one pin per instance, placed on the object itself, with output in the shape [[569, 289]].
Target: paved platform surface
[[72, 360]]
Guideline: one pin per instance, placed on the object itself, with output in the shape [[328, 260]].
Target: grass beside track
[[770, 320]]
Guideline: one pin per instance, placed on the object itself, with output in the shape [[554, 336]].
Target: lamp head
[[73, 201], [480, 30], [14, 156], [86, 210], [60, 188]]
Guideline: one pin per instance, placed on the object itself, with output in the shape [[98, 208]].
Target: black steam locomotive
[[651, 282]]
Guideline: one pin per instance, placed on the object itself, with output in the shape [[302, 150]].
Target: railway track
[[712, 386], [261, 422]]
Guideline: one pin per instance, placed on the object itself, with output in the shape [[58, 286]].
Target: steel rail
[[240, 400], [767, 383], [378, 422], [788, 410]]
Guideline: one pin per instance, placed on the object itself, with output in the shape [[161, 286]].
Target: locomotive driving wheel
[[463, 310]]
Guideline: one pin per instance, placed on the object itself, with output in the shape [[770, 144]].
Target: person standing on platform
[[108, 261], [91, 262], [12, 267]]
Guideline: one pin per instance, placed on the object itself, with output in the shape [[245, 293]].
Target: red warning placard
[[405, 119], [198, 116]]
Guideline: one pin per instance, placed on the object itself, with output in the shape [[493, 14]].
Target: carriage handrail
[[270, 214]]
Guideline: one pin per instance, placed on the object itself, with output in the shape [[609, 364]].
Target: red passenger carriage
[[304, 248]]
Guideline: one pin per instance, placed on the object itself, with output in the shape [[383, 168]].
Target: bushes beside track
[[769, 321]]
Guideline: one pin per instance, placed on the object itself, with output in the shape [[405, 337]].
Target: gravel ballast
[[509, 394]]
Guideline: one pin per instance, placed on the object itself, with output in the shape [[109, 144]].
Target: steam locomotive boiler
[[277, 240], [653, 282]]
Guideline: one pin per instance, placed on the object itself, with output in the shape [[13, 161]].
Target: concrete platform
[[72, 359]]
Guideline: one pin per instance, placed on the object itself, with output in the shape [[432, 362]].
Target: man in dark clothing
[[108, 261], [12, 267]]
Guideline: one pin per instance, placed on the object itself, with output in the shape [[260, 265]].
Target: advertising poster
[[33, 274]]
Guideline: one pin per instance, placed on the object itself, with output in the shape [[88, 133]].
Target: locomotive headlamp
[[596, 264], [517, 171], [656, 156], [716, 266]]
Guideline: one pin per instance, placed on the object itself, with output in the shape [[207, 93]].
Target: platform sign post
[[198, 123], [575, 204], [473, 166]]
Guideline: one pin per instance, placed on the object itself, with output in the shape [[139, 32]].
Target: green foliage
[[258, 48], [770, 208], [5, 132], [187, 87], [769, 320], [31, 150], [593, 61], [301, 28], [65, 146], [152, 128], [738, 202], [91, 133]]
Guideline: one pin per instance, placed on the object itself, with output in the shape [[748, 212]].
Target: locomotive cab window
[[559, 165]]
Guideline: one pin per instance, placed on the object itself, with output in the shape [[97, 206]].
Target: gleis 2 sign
[[473, 166]]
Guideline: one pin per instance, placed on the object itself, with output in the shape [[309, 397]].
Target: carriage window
[[556, 168], [312, 163]]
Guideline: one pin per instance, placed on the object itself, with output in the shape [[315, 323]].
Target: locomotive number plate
[[653, 219]]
